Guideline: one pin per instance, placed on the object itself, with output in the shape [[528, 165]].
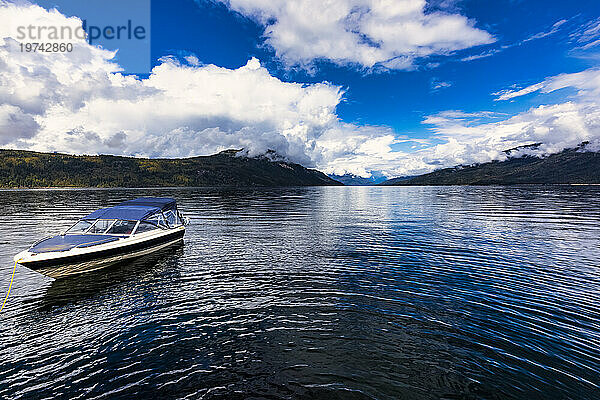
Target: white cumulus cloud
[[385, 33], [557, 127], [466, 138], [79, 102], [470, 138]]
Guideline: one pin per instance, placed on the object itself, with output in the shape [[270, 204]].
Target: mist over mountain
[[578, 165]]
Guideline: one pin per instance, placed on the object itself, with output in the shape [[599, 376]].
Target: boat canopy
[[163, 203], [134, 210]]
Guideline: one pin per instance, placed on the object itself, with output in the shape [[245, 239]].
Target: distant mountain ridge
[[355, 180], [19, 168], [571, 166]]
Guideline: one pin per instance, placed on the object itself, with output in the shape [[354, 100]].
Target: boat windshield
[[121, 227], [170, 217], [145, 227], [101, 226], [80, 227], [158, 219], [166, 219]]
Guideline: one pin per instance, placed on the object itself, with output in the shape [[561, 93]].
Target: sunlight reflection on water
[[336, 292]]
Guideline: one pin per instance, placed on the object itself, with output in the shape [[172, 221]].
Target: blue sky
[[401, 99], [347, 86]]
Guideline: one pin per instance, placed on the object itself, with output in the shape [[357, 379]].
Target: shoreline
[[6, 189]]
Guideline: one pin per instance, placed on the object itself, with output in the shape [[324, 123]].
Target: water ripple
[[382, 293]]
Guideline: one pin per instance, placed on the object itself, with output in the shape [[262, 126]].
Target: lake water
[[328, 292]]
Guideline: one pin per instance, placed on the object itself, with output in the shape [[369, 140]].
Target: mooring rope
[[10, 286]]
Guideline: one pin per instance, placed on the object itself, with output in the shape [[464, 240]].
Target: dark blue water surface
[[333, 293]]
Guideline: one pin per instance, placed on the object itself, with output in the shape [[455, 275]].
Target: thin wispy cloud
[[540, 35], [485, 54], [508, 94], [587, 36], [555, 28], [586, 82], [437, 84]]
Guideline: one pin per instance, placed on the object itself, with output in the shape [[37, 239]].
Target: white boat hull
[[60, 264]]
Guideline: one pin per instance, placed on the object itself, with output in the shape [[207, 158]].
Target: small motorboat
[[130, 229]]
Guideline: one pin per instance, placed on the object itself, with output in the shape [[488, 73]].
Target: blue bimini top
[[133, 210]]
